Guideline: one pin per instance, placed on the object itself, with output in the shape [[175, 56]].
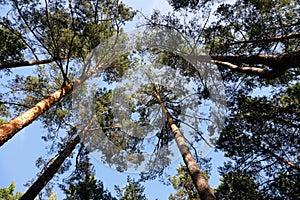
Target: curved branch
[[263, 73], [280, 61]]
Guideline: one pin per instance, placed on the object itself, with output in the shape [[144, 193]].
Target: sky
[[19, 154]]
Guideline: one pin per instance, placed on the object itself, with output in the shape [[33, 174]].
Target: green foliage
[[2, 121], [4, 112], [53, 197], [88, 189], [132, 191], [177, 4], [250, 20], [82, 184], [69, 28], [183, 184], [261, 136], [8, 193], [12, 46], [190, 4], [236, 185]]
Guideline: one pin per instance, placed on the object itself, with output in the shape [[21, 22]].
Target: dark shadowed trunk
[[50, 171], [48, 174]]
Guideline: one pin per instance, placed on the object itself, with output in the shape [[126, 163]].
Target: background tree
[[82, 184], [132, 191], [263, 134], [63, 33], [236, 185], [255, 46], [9, 192], [183, 185]]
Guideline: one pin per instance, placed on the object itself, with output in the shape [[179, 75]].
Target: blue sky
[[18, 155]]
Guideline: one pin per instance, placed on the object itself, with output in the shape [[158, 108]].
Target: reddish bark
[[12, 127], [199, 180]]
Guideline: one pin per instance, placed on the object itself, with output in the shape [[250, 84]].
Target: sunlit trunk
[[12, 127], [199, 180]]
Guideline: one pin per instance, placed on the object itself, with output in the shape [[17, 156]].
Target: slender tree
[[255, 46], [200, 181], [133, 190], [8, 193], [65, 47], [51, 170], [12, 127]]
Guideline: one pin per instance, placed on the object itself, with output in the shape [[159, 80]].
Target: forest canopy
[[208, 75]]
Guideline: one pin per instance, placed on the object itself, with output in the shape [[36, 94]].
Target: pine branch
[[15, 64], [271, 39]]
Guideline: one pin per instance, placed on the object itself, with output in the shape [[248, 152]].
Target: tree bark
[[281, 159], [15, 64], [268, 74], [199, 180], [255, 64], [9, 129], [281, 61], [49, 173]]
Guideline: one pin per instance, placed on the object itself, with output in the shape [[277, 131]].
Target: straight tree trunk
[[9, 129], [199, 180], [50, 171]]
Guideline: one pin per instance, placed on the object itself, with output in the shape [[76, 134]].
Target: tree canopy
[[206, 69]]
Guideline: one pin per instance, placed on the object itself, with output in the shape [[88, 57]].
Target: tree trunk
[[199, 180], [12, 127], [49, 173]]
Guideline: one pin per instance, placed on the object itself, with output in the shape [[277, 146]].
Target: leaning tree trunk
[[9, 129], [199, 180], [49, 173]]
